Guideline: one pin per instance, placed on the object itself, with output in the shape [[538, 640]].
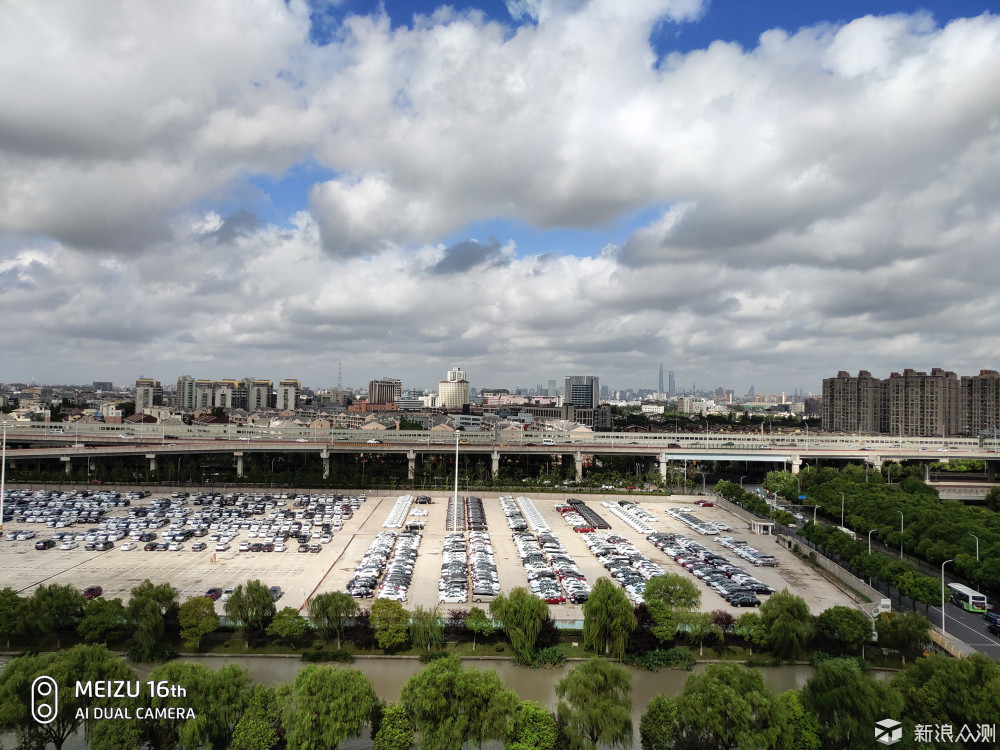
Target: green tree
[[330, 612], [55, 608], [608, 619], [595, 705], [151, 612], [450, 706], [197, 619], [728, 706], [788, 624], [658, 728], [532, 727], [751, 629], [905, 632], [80, 663], [941, 690], [479, 625], [260, 726], [426, 628], [521, 615], [847, 703], [801, 727], [327, 706], [13, 614], [699, 627], [847, 626], [395, 731], [288, 626], [391, 623], [218, 698], [251, 606], [676, 591], [103, 620]]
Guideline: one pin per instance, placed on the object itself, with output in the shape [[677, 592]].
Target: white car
[[128, 546], [69, 545], [222, 547], [279, 547], [374, 442], [301, 440], [226, 595]]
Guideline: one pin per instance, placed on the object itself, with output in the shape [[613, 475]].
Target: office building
[[670, 384], [103, 385], [583, 390], [453, 392], [384, 391], [288, 395], [148, 393], [660, 386]]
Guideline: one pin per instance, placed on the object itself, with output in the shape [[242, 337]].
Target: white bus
[[967, 598]]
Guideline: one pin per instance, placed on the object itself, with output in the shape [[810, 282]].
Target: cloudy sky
[[749, 192]]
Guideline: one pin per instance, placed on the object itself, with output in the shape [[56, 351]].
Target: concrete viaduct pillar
[[152, 461], [411, 465], [496, 464], [663, 466], [325, 455], [796, 462], [239, 463], [579, 466], [991, 471], [69, 464]]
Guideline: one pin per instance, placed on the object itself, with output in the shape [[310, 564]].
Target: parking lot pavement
[[300, 574]]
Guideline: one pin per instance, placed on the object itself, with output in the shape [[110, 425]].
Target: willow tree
[[426, 628], [608, 619], [521, 614], [595, 705]]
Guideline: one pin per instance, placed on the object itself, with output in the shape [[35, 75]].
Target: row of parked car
[[366, 575], [532, 515], [57, 509], [624, 562], [542, 579], [475, 514], [731, 582], [399, 571], [627, 514], [397, 516], [708, 528], [453, 585], [748, 553], [512, 512]]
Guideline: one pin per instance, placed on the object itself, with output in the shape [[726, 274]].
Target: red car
[[213, 593], [92, 592], [555, 600]]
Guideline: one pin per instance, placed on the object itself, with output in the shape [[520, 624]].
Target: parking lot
[[300, 575]]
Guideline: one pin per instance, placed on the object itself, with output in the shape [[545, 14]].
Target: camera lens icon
[[44, 699]]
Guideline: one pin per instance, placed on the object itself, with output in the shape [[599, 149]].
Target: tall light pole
[[454, 507], [943, 630], [977, 544], [900, 534], [741, 480], [3, 474], [841, 509], [870, 541], [814, 514]]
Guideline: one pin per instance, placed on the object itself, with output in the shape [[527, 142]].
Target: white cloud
[[830, 195]]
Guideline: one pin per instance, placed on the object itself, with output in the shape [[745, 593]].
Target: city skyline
[[528, 190]]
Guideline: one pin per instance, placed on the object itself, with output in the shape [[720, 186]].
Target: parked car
[[92, 592], [45, 544], [128, 546], [214, 593]]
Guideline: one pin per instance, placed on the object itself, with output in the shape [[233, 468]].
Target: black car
[[745, 600], [994, 628], [45, 544], [150, 547], [303, 548]]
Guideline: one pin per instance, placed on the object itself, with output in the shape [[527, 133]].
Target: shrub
[[320, 654], [553, 656], [499, 648], [432, 655]]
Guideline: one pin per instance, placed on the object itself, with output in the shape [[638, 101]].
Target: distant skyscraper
[[670, 384], [583, 390], [384, 390], [454, 393], [553, 391], [661, 378]]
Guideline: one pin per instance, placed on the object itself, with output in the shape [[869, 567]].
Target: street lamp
[[900, 534], [454, 507], [741, 480], [977, 544], [814, 514], [943, 629], [870, 541], [842, 509]]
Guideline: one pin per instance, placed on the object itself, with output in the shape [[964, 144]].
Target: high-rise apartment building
[[453, 392], [583, 390], [148, 393], [910, 403], [185, 392], [257, 394], [981, 402], [384, 390], [288, 395]]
